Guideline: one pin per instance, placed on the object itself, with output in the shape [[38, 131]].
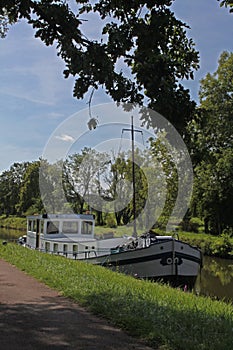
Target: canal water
[[10, 235], [215, 279]]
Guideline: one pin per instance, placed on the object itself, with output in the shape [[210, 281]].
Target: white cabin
[[70, 235], [65, 234]]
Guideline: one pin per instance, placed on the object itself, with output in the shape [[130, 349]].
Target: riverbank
[[216, 246], [13, 222], [165, 318]]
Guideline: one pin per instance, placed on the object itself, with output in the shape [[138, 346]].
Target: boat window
[[47, 246], [70, 227], [87, 227], [52, 227], [55, 248], [75, 248], [34, 226], [29, 225]]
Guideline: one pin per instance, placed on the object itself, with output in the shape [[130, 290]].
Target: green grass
[[165, 318]]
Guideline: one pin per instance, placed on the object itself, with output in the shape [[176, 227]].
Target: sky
[[35, 98]]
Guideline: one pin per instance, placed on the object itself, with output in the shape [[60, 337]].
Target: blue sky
[[35, 98]]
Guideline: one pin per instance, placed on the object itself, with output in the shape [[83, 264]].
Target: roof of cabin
[[61, 216]]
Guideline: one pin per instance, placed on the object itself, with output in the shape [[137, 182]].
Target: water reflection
[[216, 279], [10, 235]]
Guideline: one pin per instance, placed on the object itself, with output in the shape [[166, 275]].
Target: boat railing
[[82, 253]]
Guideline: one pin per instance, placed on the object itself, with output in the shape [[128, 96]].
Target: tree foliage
[[142, 54], [96, 182], [82, 180], [29, 192], [227, 3], [212, 143], [10, 184], [50, 186], [166, 176]]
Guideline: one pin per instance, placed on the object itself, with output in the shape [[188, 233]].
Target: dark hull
[[176, 263]]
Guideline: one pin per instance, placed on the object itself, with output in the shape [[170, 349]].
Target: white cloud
[[66, 138]]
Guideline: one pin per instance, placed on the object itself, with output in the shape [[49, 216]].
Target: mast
[[132, 130], [134, 184]]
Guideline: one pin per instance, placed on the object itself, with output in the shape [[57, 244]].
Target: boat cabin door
[[37, 233]]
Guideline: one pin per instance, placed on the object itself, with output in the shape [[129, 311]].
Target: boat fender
[[147, 242]]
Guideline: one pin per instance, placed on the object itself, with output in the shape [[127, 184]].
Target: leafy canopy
[[227, 3], [212, 147], [140, 57]]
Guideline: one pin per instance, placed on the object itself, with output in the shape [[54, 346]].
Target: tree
[[82, 179], [117, 187], [211, 144], [51, 187], [120, 189], [3, 26], [142, 37], [227, 3], [29, 195], [10, 183], [213, 192], [166, 182]]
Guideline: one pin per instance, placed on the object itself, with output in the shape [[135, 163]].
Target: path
[[35, 317]]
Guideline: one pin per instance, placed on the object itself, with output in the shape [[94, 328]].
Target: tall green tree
[[116, 189], [10, 184], [120, 188], [82, 179], [166, 183], [142, 50], [211, 145], [51, 186], [29, 195]]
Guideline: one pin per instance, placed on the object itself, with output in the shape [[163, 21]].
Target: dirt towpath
[[35, 317]]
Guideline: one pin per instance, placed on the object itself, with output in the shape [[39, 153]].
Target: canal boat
[[149, 256]]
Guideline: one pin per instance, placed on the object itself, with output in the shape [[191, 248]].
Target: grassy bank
[[218, 246], [164, 317]]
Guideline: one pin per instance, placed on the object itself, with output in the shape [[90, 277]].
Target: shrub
[[110, 221], [191, 225]]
